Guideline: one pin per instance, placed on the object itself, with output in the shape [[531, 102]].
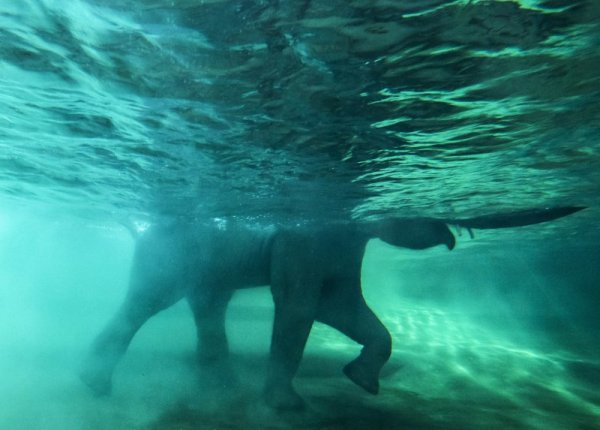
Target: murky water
[[116, 112]]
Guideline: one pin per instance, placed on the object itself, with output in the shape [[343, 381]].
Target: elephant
[[314, 272]]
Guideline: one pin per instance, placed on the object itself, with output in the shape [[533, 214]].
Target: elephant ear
[[414, 233], [515, 219]]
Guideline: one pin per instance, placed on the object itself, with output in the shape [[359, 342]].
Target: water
[[266, 111]]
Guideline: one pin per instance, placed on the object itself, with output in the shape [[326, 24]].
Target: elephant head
[[413, 233]]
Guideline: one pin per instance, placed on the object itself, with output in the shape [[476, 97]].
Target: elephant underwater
[[314, 274]]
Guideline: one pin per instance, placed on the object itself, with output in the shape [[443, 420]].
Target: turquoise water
[[292, 111]]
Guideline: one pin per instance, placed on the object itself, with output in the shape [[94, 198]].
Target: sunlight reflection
[[446, 356]]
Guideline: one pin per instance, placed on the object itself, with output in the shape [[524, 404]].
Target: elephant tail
[[135, 228]]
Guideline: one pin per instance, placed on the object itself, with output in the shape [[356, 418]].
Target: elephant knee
[[386, 347], [382, 344]]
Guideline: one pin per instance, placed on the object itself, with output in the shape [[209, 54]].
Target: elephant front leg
[[296, 298], [344, 308], [377, 346], [291, 328]]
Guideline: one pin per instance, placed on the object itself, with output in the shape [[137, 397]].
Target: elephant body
[[314, 273]]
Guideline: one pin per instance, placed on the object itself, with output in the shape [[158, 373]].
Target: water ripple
[[306, 109]]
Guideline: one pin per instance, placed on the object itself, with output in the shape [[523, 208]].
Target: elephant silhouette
[[314, 273]]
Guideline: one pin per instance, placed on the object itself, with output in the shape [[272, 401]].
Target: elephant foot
[[96, 376], [98, 382], [362, 376], [283, 398]]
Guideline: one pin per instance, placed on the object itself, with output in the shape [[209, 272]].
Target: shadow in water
[[476, 386]]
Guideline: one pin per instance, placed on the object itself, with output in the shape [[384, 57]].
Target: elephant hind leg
[[344, 309], [209, 306], [142, 302]]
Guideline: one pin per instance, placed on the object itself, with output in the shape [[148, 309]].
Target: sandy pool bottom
[[445, 373]]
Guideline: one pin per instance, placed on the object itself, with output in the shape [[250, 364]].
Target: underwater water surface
[[312, 111]]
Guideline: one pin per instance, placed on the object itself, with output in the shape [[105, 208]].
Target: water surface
[[290, 112]]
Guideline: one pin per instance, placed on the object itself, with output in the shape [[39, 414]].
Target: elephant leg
[[295, 294], [209, 307], [343, 307], [144, 299]]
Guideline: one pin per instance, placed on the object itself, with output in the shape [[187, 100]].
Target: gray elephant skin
[[314, 273]]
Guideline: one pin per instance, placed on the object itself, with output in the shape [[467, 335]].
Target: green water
[[118, 112], [481, 337]]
